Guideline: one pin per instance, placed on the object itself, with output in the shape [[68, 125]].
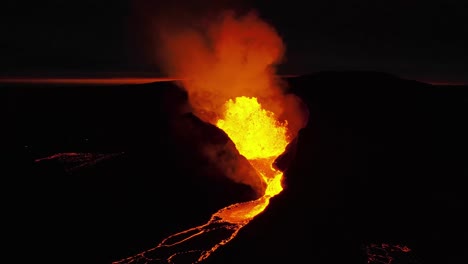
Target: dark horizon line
[[116, 78]]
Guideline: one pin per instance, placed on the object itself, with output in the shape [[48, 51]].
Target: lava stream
[[261, 138]]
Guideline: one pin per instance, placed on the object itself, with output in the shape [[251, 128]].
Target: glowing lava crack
[[261, 139]]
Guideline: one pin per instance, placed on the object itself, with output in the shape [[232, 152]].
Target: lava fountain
[[228, 65], [261, 138], [258, 136]]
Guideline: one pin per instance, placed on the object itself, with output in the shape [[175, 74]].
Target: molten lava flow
[[228, 61], [254, 130], [261, 139], [258, 136]]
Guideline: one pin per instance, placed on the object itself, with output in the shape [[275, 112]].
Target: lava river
[[259, 137]]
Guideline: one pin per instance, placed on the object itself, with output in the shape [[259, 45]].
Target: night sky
[[413, 39]]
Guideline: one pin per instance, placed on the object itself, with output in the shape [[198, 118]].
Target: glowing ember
[[73, 161], [388, 254]]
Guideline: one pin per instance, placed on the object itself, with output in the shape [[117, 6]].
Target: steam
[[224, 56], [228, 56]]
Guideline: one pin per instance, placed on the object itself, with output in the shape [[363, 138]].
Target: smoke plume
[[222, 55]]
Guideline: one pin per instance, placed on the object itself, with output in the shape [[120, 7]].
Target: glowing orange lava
[[261, 139], [228, 64], [254, 130]]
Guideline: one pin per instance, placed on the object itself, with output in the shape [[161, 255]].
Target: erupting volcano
[[177, 132], [231, 84], [259, 137]]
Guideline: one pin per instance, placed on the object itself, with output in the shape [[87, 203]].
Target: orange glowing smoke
[[229, 57], [228, 65], [224, 61]]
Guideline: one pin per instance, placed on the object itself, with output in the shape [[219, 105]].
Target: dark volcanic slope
[[167, 179], [382, 160]]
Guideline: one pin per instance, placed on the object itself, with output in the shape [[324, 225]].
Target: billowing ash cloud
[[224, 55]]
